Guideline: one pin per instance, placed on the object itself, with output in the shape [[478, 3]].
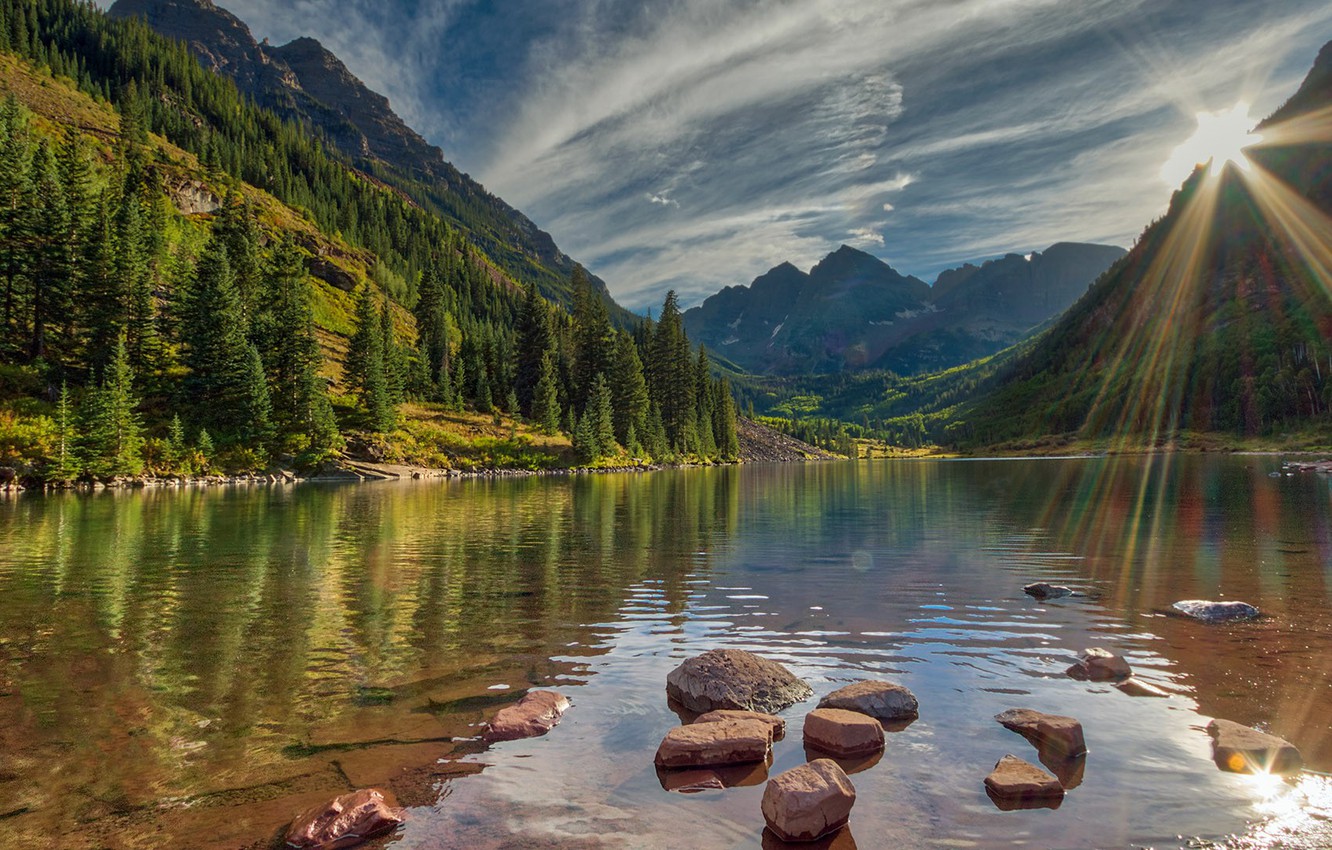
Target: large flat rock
[[715, 744], [734, 679], [535, 714], [1241, 749], [1022, 783], [1207, 611], [775, 724], [842, 733]]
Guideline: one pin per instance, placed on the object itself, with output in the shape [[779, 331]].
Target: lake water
[[190, 669]]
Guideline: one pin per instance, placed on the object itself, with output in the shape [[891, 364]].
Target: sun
[[1221, 137]]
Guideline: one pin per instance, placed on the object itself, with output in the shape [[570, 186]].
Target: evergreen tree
[[725, 422], [64, 464], [17, 225], [177, 453], [535, 342], [707, 441], [365, 371], [112, 436], [598, 419], [545, 410], [395, 358], [671, 378], [654, 438], [594, 340], [629, 392]]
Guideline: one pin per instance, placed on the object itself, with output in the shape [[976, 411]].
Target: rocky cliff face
[[853, 311], [306, 83]]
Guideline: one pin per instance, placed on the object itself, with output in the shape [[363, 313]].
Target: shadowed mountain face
[[1219, 320], [853, 311], [304, 82]]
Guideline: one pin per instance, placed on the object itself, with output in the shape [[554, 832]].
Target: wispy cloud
[[692, 144]]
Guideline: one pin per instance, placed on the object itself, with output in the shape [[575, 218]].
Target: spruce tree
[[671, 378], [112, 438], [725, 422], [64, 464], [629, 392], [365, 373], [594, 340], [395, 358], [600, 418], [535, 341], [545, 410]]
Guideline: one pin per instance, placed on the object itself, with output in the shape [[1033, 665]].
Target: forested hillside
[[189, 283]]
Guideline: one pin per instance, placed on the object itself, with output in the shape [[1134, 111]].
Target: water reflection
[[178, 664]]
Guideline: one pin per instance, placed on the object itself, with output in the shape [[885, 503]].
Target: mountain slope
[[1220, 318], [852, 311], [304, 82]]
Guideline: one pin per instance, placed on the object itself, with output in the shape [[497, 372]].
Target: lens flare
[[1220, 137]]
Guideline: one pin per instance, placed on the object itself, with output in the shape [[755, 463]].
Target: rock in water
[[715, 744], [808, 802], [535, 714], [881, 700], [1022, 784], [1215, 612], [1135, 687], [841, 733], [734, 679], [1099, 665], [775, 724], [1240, 749], [344, 822], [1042, 590], [1050, 732]]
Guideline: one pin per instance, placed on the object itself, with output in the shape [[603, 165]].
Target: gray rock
[[734, 679], [1050, 732], [1100, 665], [1042, 590], [1215, 612], [881, 700], [1239, 749]]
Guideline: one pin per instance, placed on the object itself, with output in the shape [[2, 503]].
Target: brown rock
[[842, 733], [718, 743], [882, 700], [734, 679], [535, 714], [344, 822], [1049, 732], [1100, 665], [1136, 687], [808, 802], [1015, 779], [776, 725], [1240, 749], [691, 781]]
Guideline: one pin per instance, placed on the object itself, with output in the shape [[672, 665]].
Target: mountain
[[1218, 321], [852, 311], [306, 83]]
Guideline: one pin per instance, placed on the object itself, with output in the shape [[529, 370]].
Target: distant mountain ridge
[[852, 311], [305, 82]]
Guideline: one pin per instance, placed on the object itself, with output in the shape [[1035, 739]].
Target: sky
[[695, 144]]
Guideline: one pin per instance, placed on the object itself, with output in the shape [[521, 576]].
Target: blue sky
[[694, 144]]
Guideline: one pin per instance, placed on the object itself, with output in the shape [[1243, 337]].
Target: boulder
[[1215, 612], [1022, 782], [776, 725], [882, 700], [717, 743], [1051, 733], [1100, 665], [344, 822], [1240, 749], [1136, 687], [1042, 590], [808, 802], [535, 714], [842, 733], [734, 679]]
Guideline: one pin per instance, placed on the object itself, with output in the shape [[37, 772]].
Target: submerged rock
[[1042, 590], [1240, 749], [1022, 784], [881, 700], [1052, 733], [1100, 665], [776, 725], [808, 802], [715, 744], [344, 822], [535, 714], [1215, 612], [734, 679], [1136, 687], [842, 733]]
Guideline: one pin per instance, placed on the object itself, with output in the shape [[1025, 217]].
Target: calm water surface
[[190, 669]]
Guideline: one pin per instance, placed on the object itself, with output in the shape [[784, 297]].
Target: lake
[[192, 668]]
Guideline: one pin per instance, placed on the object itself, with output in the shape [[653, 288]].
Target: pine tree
[[654, 438], [177, 453], [64, 464], [395, 358], [545, 410], [17, 227], [256, 404], [535, 341], [725, 422], [594, 340], [53, 270], [112, 436], [365, 364], [707, 441], [207, 452], [629, 392], [671, 378]]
